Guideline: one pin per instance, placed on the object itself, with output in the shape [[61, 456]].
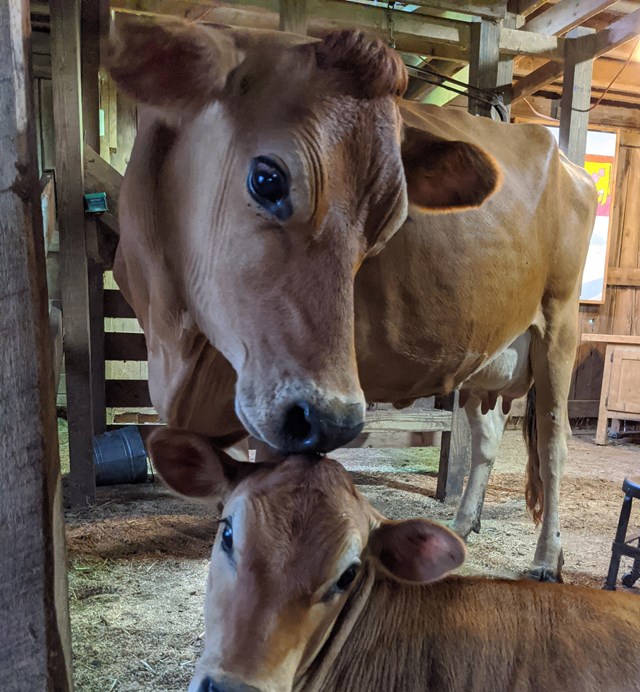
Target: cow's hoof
[[544, 574], [462, 531], [475, 527]]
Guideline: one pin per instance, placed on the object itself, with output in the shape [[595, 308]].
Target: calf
[[312, 589]]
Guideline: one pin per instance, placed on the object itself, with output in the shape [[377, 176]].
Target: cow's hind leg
[[552, 358], [486, 433]]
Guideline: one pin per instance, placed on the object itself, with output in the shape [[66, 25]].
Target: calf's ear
[[171, 63], [444, 175], [191, 466], [416, 550]]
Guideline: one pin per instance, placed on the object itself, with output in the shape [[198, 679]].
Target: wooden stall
[[35, 637]]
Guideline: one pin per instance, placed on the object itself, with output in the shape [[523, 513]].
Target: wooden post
[[65, 60], [35, 636], [576, 95], [455, 452], [504, 76], [90, 66], [484, 57], [293, 16]]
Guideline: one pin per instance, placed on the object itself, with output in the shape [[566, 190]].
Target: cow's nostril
[[299, 424]]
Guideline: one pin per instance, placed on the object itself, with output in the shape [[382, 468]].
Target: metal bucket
[[119, 456]]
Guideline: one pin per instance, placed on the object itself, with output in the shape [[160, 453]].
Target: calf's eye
[[346, 578], [227, 537]]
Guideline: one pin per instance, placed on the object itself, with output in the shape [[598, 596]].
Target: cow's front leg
[[552, 359], [486, 433]]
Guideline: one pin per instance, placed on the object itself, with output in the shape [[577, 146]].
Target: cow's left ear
[[416, 550], [445, 175]]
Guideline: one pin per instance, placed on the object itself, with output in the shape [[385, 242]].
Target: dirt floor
[[138, 558]]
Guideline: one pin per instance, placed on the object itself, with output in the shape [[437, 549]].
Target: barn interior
[[133, 578]]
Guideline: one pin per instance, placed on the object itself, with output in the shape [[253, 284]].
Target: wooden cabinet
[[620, 395]]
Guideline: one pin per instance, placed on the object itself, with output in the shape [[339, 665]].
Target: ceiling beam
[[517, 42], [490, 9], [566, 15], [619, 32], [537, 79], [524, 7], [232, 15]]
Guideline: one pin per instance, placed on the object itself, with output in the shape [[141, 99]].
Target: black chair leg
[[621, 534]]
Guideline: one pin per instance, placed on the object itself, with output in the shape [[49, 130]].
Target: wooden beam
[[609, 116], [535, 80], [504, 79], [621, 31], [484, 57], [35, 636], [566, 15], [116, 306], [576, 97], [65, 55], [455, 452], [90, 66], [623, 276], [343, 13], [518, 42], [100, 176], [524, 7], [413, 34], [293, 16]]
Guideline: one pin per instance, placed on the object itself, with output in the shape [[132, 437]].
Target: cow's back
[[451, 290], [481, 635]]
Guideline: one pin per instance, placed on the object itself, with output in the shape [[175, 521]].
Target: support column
[[35, 637], [74, 271], [576, 95], [484, 58], [90, 32], [455, 451], [293, 16]]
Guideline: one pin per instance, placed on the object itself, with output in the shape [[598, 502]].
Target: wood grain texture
[[65, 55], [34, 630]]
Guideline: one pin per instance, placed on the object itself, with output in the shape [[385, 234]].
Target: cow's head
[[296, 544], [272, 167]]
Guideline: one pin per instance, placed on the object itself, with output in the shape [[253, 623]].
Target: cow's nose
[[307, 428]]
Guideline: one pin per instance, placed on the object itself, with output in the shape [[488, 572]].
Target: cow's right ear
[[171, 63], [191, 466]]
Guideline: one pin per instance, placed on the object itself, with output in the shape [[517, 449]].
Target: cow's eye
[[227, 537], [346, 578], [268, 184]]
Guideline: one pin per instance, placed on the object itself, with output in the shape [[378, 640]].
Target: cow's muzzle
[[307, 428]]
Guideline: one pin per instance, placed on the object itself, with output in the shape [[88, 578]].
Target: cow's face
[[296, 544], [278, 169]]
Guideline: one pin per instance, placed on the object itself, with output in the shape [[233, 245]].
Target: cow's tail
[[534, 492]]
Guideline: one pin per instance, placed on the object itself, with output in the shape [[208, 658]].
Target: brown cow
[[312, 589], [287, 221]]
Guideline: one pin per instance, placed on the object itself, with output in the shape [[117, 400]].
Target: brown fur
[[273, 622], [469, 634], [371, 69]]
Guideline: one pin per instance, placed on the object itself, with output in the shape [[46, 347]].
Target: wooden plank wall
[[620, 314]]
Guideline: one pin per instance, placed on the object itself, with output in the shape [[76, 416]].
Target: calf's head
[[266, 169], [296, 542]]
